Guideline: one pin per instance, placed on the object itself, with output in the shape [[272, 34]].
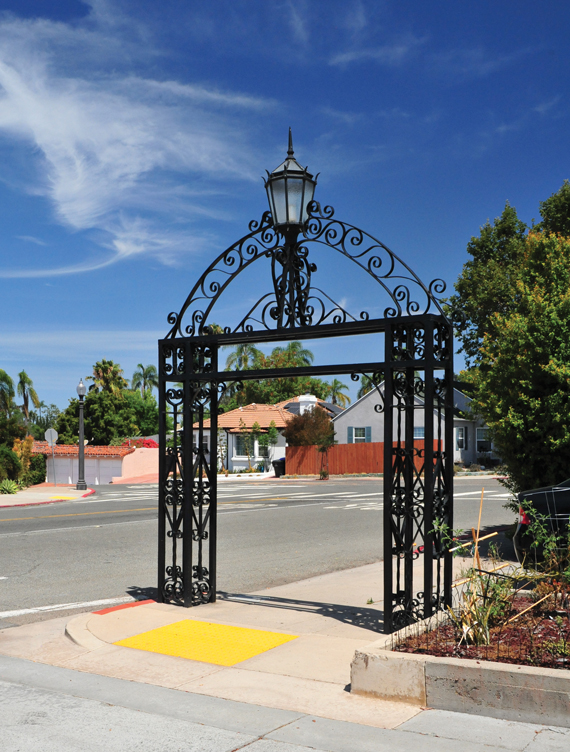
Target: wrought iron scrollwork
[[294, 300]]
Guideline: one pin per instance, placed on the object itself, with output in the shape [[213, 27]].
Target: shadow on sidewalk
[[365, 618]]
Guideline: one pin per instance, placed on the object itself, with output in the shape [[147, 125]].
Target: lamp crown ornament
[[290, 188]]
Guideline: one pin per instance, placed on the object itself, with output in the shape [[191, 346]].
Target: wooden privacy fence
[[343, 458]]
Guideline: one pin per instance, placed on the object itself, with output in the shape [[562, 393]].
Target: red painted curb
[[121, 606], [90, 492], [42, 503]]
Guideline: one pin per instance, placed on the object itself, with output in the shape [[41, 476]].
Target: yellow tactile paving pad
[[203, 641]]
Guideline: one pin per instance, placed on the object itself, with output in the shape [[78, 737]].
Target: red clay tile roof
[[72, 450], [250, 414]]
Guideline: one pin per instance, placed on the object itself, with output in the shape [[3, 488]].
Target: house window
[[262, 451], [205, 444], [483, 440], [359, 435], [419, 432], [461, 437], [240, 445]]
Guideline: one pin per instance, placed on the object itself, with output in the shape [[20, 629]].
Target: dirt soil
[[536, 638]]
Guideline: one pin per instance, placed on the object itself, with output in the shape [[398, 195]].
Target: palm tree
[[335, 393], [144, 378], [6, 392], [26, 391], [366, 385], [243, 357], [108, 376], [296, 355]]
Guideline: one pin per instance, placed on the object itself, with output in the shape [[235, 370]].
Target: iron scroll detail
[[295, 300]]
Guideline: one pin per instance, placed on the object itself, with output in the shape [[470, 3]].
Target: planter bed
[[537, 638], [488, 680]]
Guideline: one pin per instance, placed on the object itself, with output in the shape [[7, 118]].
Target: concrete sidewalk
[[43, 494], [289, 698]]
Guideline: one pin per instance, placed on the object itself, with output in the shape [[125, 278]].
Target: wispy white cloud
[[475, 62], [31, 239], [70, 344], [298, 22], [102, 139], [391, 54]]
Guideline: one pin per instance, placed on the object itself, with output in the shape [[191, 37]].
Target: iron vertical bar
[[428, 469], [213, 539], [447, 330], [188, 468], [409, 466], [388, 479], [162, 384]]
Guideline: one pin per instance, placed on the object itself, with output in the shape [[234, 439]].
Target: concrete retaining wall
[[499, 690]]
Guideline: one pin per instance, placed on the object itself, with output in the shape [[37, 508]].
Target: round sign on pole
[[51, 436]]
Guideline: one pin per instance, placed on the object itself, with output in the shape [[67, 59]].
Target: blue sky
[[133, 135]]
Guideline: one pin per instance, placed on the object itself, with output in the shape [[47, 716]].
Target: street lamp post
[[81, 484]]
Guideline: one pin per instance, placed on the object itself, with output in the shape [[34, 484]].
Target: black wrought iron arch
[[294, 301], [417, 359]]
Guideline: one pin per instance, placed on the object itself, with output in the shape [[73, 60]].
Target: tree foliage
[[107, 376], [487, 284], [522, 387], [271, 391], [144, 378], [27, 392], [109, 417], [313, 428]]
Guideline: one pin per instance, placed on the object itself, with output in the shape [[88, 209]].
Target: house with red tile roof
[[233, 425]]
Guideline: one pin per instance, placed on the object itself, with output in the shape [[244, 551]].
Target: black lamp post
[[290, 189], [81, 484]]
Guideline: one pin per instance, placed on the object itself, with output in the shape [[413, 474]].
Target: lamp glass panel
[[309, 192], [295, 191], [278, 190]]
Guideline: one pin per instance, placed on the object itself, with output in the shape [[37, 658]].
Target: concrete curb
[[78, 632], [90, 492], [498, 690]]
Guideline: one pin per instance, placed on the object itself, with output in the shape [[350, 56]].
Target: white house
[[234, 426], [361, 423]]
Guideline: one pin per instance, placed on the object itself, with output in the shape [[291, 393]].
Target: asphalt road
[[269, 533]]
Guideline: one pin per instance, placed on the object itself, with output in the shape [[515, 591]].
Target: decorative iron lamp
[[290, 189]]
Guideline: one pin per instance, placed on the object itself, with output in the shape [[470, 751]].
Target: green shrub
[[36, 472], [8, 487], [10, 466]]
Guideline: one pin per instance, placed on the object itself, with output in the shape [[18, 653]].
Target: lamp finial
[[290, 151]]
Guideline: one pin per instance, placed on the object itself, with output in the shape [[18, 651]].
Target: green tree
[[487, 284], [335, 392], [6, 393], [26, 391], [366, 385], [522, 388], [107, 376], [271, 391], [109, 417], [243, 357], [555, 212], [295, 354], [144, 378], [313, 428], [269, 439]]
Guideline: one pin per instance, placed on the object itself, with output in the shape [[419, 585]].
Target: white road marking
[[475, 493], [64, 607]]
